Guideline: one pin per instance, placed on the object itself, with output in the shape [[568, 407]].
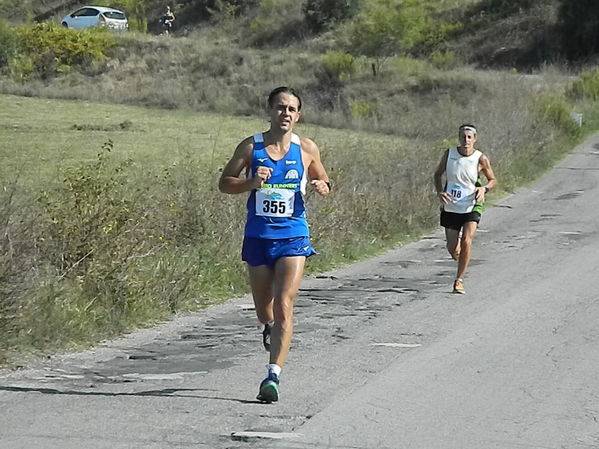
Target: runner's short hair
[[284, 90]]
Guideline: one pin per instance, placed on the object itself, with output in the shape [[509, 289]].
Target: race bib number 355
[[275, 202]]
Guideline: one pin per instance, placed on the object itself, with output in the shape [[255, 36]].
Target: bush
[[585, 88], [443, 59], [363, 109], [386, 28], [88, 219], [324, 14], [8, 43], [338, 66], [13, 9], [277, 22], [556, 110], [44, 50], [376, 32]]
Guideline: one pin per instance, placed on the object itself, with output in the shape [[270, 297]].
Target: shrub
[[433, 35], [443, 59], [13, 9], [385, 28], [376, 32], [586, 87], [324, 14], [555, 110], [363, 109], [46, 49], [8, 43], [88, 218], [338, 66], [276, 23]]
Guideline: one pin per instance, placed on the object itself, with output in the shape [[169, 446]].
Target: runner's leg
[[468, 231], [452, 238], [261, 282], [287, 278]]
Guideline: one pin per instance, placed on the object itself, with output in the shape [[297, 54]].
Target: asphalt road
[[384, 356]]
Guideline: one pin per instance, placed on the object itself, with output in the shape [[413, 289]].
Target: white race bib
[[459, 194], [275, 202]]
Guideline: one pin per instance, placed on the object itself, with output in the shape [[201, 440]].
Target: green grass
[[40, 136]]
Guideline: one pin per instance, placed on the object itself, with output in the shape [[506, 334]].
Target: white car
[[93, 16]]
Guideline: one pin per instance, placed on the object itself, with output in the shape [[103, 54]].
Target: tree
[[385, 27]]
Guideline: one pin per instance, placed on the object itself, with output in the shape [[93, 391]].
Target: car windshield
[[114, 15]]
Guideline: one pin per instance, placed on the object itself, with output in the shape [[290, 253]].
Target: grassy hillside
[[489, 33]]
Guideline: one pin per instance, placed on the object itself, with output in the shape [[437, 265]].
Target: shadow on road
[[167, 392]]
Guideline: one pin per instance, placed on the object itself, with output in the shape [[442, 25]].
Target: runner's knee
[[264, 315], [283, 311], [466, 241]]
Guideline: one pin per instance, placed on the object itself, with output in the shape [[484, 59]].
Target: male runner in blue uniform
[[277, 165]]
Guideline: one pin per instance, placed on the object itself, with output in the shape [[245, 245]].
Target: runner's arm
[[230, 180], [438, 178], [485, 167]]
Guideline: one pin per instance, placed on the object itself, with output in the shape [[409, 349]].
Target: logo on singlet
[[292, 174], [273, 195]]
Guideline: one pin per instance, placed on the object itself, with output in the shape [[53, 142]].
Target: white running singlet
[[461, 173]]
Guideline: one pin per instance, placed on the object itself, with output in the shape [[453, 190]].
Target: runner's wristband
[[487, 189]]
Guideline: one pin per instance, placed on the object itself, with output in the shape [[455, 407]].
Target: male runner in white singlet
[[462, 197]]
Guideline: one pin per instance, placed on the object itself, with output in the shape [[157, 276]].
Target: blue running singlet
[[277, 211]]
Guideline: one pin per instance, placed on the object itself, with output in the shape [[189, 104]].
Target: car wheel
[[64, 24]]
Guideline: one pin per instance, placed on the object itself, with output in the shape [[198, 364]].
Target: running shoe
[[269, 389], [266, 336], [458, 287]]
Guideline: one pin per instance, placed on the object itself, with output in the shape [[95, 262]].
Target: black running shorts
[[455, 221]]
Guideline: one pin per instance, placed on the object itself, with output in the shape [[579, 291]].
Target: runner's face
[[467, 139], [285, 112]]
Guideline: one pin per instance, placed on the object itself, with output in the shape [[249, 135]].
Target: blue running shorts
[[258, 252]]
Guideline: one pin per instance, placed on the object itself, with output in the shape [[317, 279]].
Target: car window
[[85, 12], [79, 12], [114, 15]]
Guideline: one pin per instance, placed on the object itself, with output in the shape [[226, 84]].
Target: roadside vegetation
[[110, 218]]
